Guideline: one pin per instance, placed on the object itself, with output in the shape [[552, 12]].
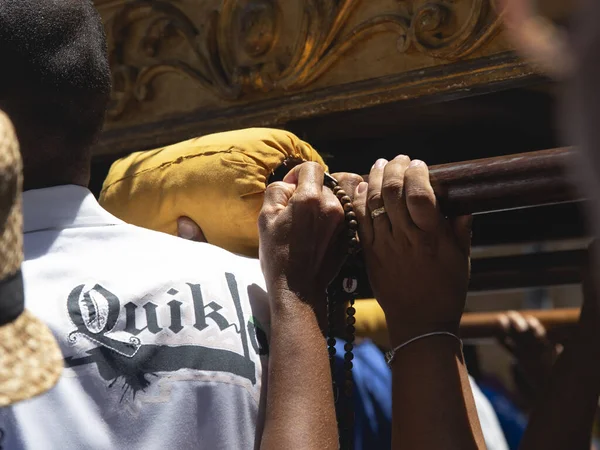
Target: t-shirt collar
[[61, 207]]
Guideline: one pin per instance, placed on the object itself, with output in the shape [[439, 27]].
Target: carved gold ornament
[[248, 46]]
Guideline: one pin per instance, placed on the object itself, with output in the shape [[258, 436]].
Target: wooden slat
[[512, 272], [486, 325], [559, 323], [530, 270], [526, 225]]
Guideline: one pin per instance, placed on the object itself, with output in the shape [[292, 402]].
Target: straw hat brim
[[30, 360]]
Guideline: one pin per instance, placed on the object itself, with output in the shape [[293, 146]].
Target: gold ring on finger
[[378, 212]]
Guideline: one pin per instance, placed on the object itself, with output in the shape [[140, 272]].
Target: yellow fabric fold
[[217, 180], [370, 322]]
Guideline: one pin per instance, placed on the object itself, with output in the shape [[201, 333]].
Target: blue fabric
[[512, 420], [372, 399]]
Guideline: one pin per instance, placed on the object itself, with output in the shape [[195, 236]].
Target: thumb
[[348, 182], [462, 227], [365, 223], [277, 196]]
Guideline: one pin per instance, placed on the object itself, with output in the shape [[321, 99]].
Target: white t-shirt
[[164, 339], [492, 432]]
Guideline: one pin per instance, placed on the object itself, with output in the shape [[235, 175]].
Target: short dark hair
[[55, 79]]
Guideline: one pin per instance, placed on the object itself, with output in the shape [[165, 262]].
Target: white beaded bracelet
[[389, 356]]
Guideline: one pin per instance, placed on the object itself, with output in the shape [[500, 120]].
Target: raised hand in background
[[526, 339]]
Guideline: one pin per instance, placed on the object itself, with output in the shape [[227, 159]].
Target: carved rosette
[[240, 48]]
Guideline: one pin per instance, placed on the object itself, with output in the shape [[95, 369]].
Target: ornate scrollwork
[[449, 30], [236, 50]]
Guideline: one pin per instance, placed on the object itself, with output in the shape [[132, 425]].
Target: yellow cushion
[[217, 180], [370, 322]]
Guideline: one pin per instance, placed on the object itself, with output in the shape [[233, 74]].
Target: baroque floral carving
[[235, 51]]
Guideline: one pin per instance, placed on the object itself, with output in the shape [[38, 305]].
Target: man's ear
[[190, 230]]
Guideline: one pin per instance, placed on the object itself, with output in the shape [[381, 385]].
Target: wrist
[[281, 295], [400, 333], [303, 290], [429, 346]]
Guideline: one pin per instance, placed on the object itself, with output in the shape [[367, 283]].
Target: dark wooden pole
[[504, 182]]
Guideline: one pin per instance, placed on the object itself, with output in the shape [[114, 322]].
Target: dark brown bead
[[350, 339], [350, 215], [350, 329], [348, 365], [348, 347], [340, 193], [331, 342], [348, 356], [354, 242], [352, 224], [348, 207], [349, 384], [345, 199], [336, 189], [351, 233], [351, 320], [351, 311], [332, 351]]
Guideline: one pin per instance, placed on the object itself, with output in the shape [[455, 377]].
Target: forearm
[[564, 414], [432, 398], [300, 411]]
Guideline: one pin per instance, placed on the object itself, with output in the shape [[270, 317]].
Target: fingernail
[[415, 163], [401, 157], [186, 230], [380, 163], [362, 187]]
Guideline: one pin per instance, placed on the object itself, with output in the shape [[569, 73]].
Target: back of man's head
[[54, 84]]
